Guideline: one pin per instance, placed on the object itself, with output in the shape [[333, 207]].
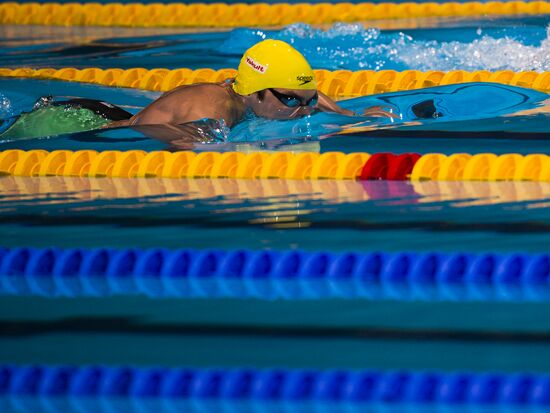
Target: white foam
[[5, 107], [354, 47], [486, 53]]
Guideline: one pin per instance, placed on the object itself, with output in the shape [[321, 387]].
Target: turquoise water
[[315, 334], [39, 405], [486, 43], [502, 217], [204, 213]]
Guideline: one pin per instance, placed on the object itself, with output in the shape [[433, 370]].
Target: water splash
[[354, 47], [48, 120], [5, 106], [486, 53], [208, 130], [6, 113]]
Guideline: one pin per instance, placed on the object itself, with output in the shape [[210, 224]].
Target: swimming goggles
[[293, 101]]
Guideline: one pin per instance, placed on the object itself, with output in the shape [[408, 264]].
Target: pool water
[[497, 43], [504, 43], [516, 117], [280, 215]]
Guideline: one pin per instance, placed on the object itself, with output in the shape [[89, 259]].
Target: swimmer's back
[[190, 103], [50, 118]]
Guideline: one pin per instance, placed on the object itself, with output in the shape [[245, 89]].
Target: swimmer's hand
[[379, 112], [326, 104]]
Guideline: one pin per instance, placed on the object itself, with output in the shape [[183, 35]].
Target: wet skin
[[168, 117]]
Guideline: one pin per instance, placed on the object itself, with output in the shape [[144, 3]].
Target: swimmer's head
[[279, 78], [273, 64]]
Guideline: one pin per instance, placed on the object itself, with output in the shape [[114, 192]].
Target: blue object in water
[[426, 388], [287, 275]]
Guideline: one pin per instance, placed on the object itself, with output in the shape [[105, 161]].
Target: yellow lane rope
[[236, 15], [285, 165], [339, 83]]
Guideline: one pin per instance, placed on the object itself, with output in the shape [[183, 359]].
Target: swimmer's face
[[284, 103]]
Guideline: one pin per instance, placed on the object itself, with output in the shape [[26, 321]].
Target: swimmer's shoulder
[[193, 102], [207, 88]]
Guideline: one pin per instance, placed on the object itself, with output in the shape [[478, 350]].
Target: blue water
[[502, 217], [504, 43], [391, 216], [40, 405], [486, 46]]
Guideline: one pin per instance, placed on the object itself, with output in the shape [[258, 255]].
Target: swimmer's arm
[[149, 116], [326, 104], [180, 137], [117, 124], [187, 104], [180, 130]]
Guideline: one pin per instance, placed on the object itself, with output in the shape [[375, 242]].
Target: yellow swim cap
[[273, 64]]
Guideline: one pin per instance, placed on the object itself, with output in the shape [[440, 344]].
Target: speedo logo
[[304, 79], [258, 67]]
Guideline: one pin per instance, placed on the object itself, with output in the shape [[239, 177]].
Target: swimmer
[[273, 81]]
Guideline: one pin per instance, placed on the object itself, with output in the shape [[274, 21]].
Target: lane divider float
[[305, 385], [339, 83], [237, 15], [284, 275], [287, 165]]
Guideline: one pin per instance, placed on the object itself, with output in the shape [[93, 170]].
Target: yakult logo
[[258, 67]]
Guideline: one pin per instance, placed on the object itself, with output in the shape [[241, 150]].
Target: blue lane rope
[[288, 275], [422, 387]]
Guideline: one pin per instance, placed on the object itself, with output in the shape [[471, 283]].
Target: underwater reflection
[[265, 195], [52, 404]]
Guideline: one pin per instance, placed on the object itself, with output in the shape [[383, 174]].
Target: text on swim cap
[[258, 67], [304, 79]]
